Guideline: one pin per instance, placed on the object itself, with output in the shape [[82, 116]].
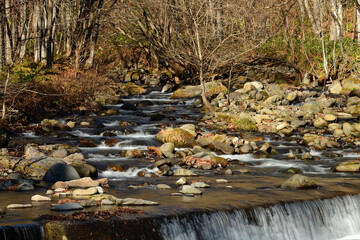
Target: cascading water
[[336, 218], [22, 232]]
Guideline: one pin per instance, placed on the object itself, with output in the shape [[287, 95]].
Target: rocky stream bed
[[257, 166]]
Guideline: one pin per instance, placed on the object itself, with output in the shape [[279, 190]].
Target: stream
[[250, 206]]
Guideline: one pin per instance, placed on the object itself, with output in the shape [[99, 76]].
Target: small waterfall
[[22, 232], [326, 219]]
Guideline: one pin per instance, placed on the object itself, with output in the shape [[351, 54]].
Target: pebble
[[84, 192], [49, 192]]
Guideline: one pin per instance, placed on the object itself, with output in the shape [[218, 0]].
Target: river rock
[[107, 202], [200, 185], [311, 107], [291, 96], [61, 172], [59, 185], [178, 136], [184, 172], [67, 207], [163, 187], [88, 203], [268, 148], [168, 149], [350, 84], [348, 166], [85, 182], [85, 192], [292, 170], [25, 187], [60, 153], [298, 181], [75, 159], [134, 153], [330, 118], [350, 131], [33, 152], [335, 87], [221, 146], [18, 206], [135, 202], [187, 189], [39, 198], [307, 156], [320, 123], [190, 128], [86, 170], [221, 181], [181, 181]]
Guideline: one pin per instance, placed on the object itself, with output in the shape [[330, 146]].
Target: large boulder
[[61, 172], [178, 136], [34, 168], [298, 181]]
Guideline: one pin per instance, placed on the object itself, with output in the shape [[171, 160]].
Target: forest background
[[55, 54]]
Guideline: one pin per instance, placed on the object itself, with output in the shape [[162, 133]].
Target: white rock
[[187, 189], [163, 186], [85, 192], [200, 185], [49, 192], [181, 181], [221, 181], [39, 198], [17, 206], [100, 190]]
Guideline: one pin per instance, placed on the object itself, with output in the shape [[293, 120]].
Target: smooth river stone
[[85, 192], [187, 189], [134, 202], [200, 185], [67, 207], [18, 206], [39, 198]]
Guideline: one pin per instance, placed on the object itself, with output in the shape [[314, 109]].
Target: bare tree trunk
[[2, 48], [8, 34], [310, 13], [44, 35], [336, 19], [36, 29], [68, 25], [24, 30], [358, 20], [5, 92]]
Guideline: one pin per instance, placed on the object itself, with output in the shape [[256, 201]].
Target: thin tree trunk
[[5, 92], [36, 29], [2, 48], [8, 35], [358, 20]]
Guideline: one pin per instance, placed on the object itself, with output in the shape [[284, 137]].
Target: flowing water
[[212, 215]]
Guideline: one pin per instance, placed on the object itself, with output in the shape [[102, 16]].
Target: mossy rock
[[245, 124], [211, 89], [178, 136], [133, 89]]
